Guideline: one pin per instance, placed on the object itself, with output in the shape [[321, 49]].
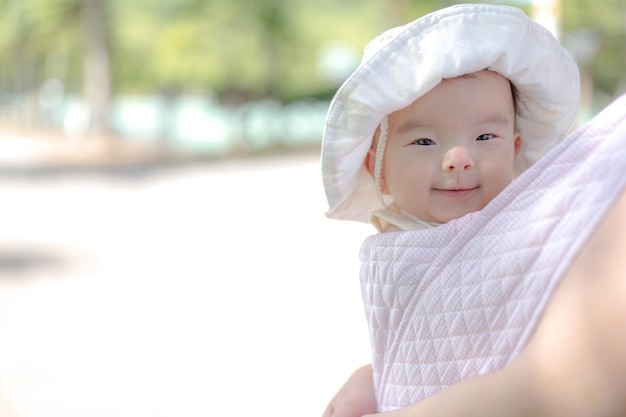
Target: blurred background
[[163, 245], [216, 78]]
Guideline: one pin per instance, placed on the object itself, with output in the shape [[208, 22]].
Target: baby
[[439, 118]]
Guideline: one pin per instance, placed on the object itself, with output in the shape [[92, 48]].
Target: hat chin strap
[[380, 153]]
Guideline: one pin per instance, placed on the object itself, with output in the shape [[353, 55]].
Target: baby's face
[[452, 151]]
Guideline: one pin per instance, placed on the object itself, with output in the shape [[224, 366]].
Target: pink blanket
[[462, 299]]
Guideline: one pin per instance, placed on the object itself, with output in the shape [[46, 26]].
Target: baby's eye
[[485, 136], [423, 142]]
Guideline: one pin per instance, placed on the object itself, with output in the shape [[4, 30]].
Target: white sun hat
[[406, 62]]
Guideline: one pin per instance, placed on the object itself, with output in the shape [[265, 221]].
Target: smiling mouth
[[455, 192]]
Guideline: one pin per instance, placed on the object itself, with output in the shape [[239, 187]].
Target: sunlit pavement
[[196, 290]]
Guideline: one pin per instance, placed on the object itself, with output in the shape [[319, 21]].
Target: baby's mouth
[[457, 192]]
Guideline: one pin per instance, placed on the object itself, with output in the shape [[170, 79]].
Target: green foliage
[[39, 39], [243, 49], [603, 24]]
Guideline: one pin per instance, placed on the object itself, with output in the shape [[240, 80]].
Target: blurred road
[[155, 289]]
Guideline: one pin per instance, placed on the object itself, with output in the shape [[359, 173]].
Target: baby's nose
[[457, 159]]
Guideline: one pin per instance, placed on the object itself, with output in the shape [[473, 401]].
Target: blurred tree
[[19, 61], [240, 49], [97, 66], [596, 34], [43, 39], [232, 48]]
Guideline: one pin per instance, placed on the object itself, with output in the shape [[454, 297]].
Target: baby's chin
[[448, 216]]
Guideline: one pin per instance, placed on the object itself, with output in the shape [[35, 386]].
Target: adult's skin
[[356, 397], [575, 363]]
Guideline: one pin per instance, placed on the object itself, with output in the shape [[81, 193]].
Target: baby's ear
[[517, 143], [370, 161], [370, 165]]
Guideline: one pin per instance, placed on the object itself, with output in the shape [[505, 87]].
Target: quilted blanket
[[462, 299]]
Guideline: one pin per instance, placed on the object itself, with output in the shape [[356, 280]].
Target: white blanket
[[462, 299]]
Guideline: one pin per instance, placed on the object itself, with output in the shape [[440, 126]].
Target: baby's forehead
[[487, 74], [480, 85]]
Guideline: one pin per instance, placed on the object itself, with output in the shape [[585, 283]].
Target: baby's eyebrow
[[494, 119], [408, 126]]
